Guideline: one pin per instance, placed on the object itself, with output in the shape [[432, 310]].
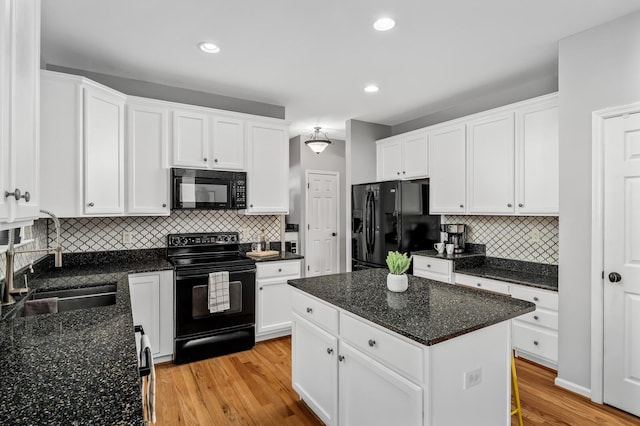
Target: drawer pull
[[479, 285], [535, 342], [279, 269], [329, 351], [535, 298], [340, 358], [428, 266], [309, 310], [535, 317], [372, 342]]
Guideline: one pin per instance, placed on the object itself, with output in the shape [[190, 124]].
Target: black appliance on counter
[[199, 334], [390, 216], [208, 190]]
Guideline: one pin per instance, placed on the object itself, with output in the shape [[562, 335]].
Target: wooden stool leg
[[516, 391]]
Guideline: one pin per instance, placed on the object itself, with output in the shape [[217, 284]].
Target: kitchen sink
[[77, 298]]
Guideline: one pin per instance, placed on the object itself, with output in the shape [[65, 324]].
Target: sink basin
[[79, 298]]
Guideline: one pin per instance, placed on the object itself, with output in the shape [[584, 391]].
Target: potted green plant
[[398, 264]]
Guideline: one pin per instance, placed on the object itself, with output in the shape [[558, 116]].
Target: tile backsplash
[[509, 237], [105, 233]]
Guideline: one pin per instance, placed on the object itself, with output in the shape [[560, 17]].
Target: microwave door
[[195, 193]]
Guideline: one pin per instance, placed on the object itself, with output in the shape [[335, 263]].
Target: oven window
[[200, 297]]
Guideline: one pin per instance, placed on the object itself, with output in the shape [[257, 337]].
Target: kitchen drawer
[[380, 344], [431, 264], [432, 275], [315, 311], [542, 318], [536, 341], [542, 298], [278, 269], [482, 283]]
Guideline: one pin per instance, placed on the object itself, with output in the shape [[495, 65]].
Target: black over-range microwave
[[208, 189]]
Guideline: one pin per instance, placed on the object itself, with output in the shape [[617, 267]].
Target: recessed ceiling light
[[207, 47], [384, 24], [372, 88]]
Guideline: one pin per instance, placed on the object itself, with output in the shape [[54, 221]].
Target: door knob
[[333, 234], [615, 277], [91, 204]]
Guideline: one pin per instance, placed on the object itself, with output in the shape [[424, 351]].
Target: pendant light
[[318, 141]]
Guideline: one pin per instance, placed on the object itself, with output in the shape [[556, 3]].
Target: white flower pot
[[397, 283]]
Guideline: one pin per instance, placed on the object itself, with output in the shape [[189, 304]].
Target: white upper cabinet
[[267, 168], [447, 152], [19, 111], [490, 154], [103, 151], [403, 157], [147, 172], [389, 159], [227, 148], [537, 158], [190, 139]]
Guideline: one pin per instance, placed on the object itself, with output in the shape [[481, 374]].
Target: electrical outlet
[[534, 236], [246, 235], [472, 378], [127, 237]]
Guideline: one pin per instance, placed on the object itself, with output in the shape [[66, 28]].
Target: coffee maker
[[456, 235]]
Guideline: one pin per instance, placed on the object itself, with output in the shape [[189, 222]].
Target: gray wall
[[598, 68], [301, 160], [146, 89], [487, 97], [360, 155]]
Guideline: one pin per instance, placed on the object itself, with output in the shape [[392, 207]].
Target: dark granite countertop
[[445, 256], [276, 257], [76, 367], [429, 312]]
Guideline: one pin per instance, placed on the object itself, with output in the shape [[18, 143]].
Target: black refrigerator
[[390, 216]]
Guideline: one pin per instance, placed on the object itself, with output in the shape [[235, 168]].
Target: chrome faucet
[[9, 290]]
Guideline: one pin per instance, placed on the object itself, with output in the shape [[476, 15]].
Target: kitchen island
[[435, 355]]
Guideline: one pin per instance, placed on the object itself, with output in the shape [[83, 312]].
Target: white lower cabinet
[[152, 307], [273, 299], [372, 394], [433, 269]]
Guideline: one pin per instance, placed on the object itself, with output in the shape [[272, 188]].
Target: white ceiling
[[315, 58]]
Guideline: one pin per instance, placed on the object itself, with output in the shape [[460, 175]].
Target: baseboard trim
[[273, 335], [572, 387]]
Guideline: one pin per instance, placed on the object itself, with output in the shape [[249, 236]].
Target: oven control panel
[[200, 239]]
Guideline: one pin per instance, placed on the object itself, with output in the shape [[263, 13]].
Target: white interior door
[[622, 262], [322, 224]]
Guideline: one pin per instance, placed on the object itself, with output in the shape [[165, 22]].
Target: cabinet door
[[25, 110], [268, 169], [152, 307], [537, 150], [274, 306], [228, 144], [190, 139], [372, 394], [315, 369], [415, 156], [447, 157], [147, 174], [103, 152], [389, 159], [5, 105], [491, 164]]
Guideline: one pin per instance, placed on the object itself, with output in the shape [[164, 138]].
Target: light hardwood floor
[[254, 388]]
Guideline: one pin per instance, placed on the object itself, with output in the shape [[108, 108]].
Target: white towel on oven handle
[[219, 300], [150, 386]]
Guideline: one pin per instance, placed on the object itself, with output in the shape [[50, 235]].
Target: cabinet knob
[[205, 159], [372, 342], [403, 172], [509, 205], [251, 205], [428, 266], [340, 358], [398, 173], [535, 298], [261, 288], [279, 270], [164, 204], [535, 317], [17, 194], [329, 351], [520, 205], [535, 342], [479, 284], [309, 310], [461, 206], [333, 234], [91, 204], [215, 160]]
